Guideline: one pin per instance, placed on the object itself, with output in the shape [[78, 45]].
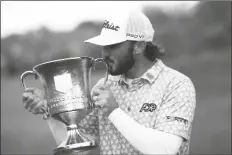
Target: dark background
[[197, 44]]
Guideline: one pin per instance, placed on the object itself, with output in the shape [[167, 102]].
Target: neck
[[139, 68]]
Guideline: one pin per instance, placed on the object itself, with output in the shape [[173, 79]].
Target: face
[[119, 57]]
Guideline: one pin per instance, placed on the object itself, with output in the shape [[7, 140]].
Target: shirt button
[[128, 108]]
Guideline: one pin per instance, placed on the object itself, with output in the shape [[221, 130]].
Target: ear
[[139, 47]]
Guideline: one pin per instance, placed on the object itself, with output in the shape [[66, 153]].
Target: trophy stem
[[75, 141]]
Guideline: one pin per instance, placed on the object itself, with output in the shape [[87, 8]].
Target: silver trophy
[[67, 89]]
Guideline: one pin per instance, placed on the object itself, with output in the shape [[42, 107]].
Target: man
[[145, 106]]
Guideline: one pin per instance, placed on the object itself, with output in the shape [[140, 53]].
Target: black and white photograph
[[115, 77]]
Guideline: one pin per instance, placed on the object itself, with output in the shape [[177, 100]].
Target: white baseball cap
[[133, 26]]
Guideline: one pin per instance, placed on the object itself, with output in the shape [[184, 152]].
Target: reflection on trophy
[[66, 83]]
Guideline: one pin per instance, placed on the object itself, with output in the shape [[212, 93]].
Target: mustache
[[108, 60]]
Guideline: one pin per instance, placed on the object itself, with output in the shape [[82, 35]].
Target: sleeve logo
[[179, 119]]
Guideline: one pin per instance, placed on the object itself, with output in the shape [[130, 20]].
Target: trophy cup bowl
[[67, 90]]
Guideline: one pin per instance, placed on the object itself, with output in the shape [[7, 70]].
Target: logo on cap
[[135, 35], [111, 26]]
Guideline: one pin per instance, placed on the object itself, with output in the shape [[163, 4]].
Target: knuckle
[[31, 106], [41, 111], [39, 106], [30, 97], [33, 111], [37, 100], [104, 100], [36, 110], [44, 104], [25, 105], [29, 109], [97, 103], [24, 95]]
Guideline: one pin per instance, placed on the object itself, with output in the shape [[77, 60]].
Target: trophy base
[[75, 148]]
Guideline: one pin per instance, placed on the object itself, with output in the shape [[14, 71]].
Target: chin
[[114, 73]]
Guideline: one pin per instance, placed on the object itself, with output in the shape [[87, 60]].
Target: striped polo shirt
[[162, 98]]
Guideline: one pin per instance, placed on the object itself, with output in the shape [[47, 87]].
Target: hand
[[103, 97], [34, 100]]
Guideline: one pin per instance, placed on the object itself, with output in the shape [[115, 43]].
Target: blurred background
[[196, 36]]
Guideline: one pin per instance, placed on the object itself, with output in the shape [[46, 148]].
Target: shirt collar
[[150, 75]]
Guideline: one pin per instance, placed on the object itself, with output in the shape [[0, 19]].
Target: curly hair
[[153, 51]]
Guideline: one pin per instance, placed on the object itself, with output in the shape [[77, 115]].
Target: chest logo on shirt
[[148, 107]]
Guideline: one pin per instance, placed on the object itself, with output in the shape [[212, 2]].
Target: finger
[[96, 92], [98, 96], [34, 104], [95, 98], [38, 108], [28, 101], [100, 103], [44, 107], [25, 96], [30, 89]]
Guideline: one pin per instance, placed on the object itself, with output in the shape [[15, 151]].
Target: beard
[[122, 65]]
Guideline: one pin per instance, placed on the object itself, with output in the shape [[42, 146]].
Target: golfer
[[145, 106]]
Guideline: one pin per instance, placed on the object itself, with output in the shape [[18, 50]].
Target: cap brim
[[104, 41]]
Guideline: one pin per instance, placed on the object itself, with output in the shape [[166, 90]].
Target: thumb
[[30, 89]]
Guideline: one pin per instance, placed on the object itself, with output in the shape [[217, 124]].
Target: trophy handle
[[103, 61], [23, 76]]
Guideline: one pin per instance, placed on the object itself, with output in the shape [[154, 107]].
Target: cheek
[[119, 63], [120, 57]]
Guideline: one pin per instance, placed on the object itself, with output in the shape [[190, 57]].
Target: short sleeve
[[177, 109]]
